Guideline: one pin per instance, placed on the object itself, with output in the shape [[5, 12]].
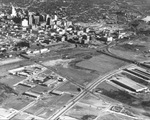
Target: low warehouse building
[[129, 84], [6, 114], [31, 94]]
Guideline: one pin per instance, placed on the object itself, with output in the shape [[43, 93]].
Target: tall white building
[[25, 23], [14, 13]]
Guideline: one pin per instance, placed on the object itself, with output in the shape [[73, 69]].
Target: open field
[[93, 101], [40, 89], [115, 93], [45, 102], [78, 54], [65, 65], [128, 54], [47, 106], [17, 102], [11, 80], [10, 61], [114, 117], [48, 111], [83, 112], [101, 63], [62, 62], [69, 88], [136, 49], [21, 89], [78, 76], [83, 71]]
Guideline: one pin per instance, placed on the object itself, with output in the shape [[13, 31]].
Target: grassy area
[[102, 64], [128, 54], [67, 65], [68, 87], [78, 76], [114, 117], [92, 100], [49, 105], [136, 49], [44, 103], [17, 102], [117, 94], [21, 89], [87, 67], [83, 112]]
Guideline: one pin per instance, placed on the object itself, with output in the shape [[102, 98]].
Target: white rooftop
[[130, 83], [146, 19], [7, 113]]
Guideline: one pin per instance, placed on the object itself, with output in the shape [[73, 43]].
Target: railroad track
[[108, 53]]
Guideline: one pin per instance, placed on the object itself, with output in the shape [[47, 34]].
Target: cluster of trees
[[140, 27], [23, 44]]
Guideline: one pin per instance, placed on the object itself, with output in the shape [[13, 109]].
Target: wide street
[[89, 88]]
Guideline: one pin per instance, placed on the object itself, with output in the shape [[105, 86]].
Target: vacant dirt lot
[[101, 63]]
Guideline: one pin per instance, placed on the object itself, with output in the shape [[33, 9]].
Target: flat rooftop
[[130, 83], [7, 113]]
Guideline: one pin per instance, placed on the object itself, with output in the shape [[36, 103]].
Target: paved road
[[87, 89], [90, 87]]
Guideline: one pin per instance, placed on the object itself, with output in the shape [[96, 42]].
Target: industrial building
[[128, 84], [139, 73], [31, 94], [27, 85], [27, 70], [6, 114], [56, 92]]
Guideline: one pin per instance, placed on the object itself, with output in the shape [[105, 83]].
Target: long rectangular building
[[129, 84], [31, 94]]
